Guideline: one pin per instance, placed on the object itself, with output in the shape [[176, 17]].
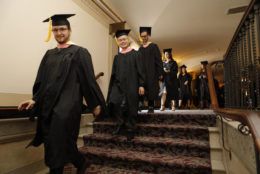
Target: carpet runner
[[165, 143]]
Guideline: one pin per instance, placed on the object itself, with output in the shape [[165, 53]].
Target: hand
[[141, 90], [204, 76], [186, 82], [28, 104], [160, 77], [97, 110]]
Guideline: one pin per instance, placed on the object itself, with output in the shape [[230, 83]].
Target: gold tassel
[[141, 40], [49, 35], [116, 41]]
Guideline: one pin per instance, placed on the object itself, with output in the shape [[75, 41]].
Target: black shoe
[[117, 130], [130, 136], [150, 110], [84, 167]]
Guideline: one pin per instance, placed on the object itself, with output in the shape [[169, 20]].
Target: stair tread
[[150, 140], [179, 112], [158, 159], [96, 169], [170, 126]]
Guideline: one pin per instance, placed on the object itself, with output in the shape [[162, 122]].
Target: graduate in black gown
[[202, 87], [126, 83], [152, 63], [170, 68], [65, 76], [185, 87]]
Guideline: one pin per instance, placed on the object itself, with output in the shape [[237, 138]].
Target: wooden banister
[[246, 117], [212, 90]]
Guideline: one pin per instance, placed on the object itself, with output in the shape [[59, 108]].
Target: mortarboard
[[147, 29], [121, 33], [183, 66], [204, 62], [169, 50]]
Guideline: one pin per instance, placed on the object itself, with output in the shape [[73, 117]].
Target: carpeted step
[[100, 169], [170, 146], [147, 162], [190, 118], [195, 132]]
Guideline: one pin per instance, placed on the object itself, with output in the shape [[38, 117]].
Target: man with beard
[[65, 76], [152, 65]]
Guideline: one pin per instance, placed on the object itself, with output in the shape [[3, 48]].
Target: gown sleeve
[[112, 78], [90, 89], [140, 71], [158, 61], [38, 80]]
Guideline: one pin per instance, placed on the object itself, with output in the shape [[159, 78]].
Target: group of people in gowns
[[66, 76]]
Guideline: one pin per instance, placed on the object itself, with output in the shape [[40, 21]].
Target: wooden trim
[[249, 118], [103, 10], [111, 10], [212, 90], [249, 8]]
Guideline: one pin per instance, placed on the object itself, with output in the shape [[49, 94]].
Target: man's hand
[[28, 104], [97, 110], [186, 82], [141, 90]]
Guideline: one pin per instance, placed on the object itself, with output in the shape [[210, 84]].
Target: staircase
[[180, 142]]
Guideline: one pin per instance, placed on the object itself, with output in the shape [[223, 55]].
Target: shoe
[[83, 168], [117, 130], [162, 108], [130, 135], [150, 110]]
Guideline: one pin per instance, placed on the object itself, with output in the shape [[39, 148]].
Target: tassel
[[116, 41], [49, 35], [141, 40]]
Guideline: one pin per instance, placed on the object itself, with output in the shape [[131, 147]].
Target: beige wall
[[22, 43]]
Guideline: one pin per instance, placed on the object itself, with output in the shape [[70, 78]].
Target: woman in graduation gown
[[170, 68], [203, 88], [185, 87]]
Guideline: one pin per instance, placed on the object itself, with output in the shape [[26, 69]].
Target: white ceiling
[[195, 29]]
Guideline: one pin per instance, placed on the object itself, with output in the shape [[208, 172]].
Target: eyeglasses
[[56, 30]]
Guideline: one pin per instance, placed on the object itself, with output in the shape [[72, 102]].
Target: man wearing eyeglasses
[[65, 76]]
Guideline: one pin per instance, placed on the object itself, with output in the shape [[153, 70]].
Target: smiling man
[[65, 76], [126, 83]]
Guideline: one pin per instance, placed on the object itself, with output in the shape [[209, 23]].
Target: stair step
[[180, 117], [99, 169], [148, 162], [160, 130], [170, 146]]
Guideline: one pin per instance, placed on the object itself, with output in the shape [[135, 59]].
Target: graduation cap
[[121, 33], [183, 66], [57, 20], [204, 62], [147, 29], [169, 50]]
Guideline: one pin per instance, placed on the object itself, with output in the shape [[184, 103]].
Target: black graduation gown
[[171, 80], [153, 68], [126, 78], [203, 87], [64, 77], [185, 90]]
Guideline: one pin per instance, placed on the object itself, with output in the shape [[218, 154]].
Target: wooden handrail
[[246, 117], [212, 90]]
